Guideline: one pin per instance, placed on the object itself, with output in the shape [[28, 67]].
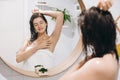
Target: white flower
[[40, 69]]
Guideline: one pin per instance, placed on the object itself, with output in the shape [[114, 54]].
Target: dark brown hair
[[98, 29]]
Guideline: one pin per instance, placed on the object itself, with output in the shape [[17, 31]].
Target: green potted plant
[[67, 16]]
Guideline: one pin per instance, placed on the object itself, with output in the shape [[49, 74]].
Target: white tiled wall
[[119, 75]]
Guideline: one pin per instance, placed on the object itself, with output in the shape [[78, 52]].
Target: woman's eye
[[35, 24]]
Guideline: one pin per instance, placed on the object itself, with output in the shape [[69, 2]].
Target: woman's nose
[[39, 25]]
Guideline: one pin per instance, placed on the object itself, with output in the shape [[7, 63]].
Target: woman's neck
[[42, 35]]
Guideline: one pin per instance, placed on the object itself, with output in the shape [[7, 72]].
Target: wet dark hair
[[98, 30], [34, 34]]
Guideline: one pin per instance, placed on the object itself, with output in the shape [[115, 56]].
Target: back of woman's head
[[34, 34], [98, 29]]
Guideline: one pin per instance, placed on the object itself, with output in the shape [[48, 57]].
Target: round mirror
[[15, 30]]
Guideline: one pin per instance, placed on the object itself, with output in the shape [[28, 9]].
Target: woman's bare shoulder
[[103, 64], [95, 65], [96, 69]]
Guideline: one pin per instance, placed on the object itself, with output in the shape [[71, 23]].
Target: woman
[[98, 33], [38, 50]]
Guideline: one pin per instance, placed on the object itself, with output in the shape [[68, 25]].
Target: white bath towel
[[41, 57]]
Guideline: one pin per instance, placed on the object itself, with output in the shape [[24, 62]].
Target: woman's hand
[[105, 4], [35, 11], [42, 44]]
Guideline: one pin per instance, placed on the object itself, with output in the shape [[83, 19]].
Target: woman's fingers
[[100, 5], [45, 44], [35, 11], [105, 4]]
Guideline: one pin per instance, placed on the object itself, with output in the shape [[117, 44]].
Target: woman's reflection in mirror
[[38, 50]]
